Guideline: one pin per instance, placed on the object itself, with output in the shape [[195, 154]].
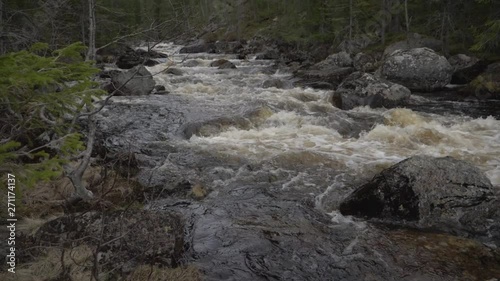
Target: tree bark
[[350, 19], [91, 53], [383, 20], [76, 175], [2, 51], [407, 20]]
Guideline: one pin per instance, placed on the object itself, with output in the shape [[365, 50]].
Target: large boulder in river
[[419, 69], [427, 192], [361, 89], [133, 58], [342, 59], [332, 70], [138, 81], [487, 84], [466, 68]]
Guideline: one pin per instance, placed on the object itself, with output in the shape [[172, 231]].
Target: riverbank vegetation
[[463, 26]]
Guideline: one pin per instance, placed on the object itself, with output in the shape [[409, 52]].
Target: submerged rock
[[361, 89], [276, 83], [222, 64], [426, 192], [136, 82], [174, 71], [419, 69]]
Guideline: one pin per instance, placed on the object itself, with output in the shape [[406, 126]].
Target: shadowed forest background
[[463, 26]]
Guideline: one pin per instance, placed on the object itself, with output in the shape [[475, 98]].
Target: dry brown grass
[[78, 261], [79, 264], [45, 201], [47, 198]]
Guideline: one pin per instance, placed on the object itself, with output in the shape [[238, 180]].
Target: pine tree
[[41, 98]]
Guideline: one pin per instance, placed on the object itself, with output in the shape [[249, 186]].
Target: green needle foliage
[[41, 97]]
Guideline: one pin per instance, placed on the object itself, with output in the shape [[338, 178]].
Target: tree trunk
[[2, 44], [351, 15], [92, 31], [407, 20], [383, 21]]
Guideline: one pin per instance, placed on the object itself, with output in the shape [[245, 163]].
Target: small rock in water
[[276, 83], [222, 64], [174, 71]]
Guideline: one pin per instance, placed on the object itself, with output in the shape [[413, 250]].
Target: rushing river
[[265, 152], [300, 125]]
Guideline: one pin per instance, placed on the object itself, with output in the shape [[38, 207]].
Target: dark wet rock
[[366, 62], [107, 74], [312, 77], [418, 69], [249, 227], [192, 63], [160, 90], [231, 47], [135, 82], [111, 53], [333, 70], [222, 64], [339, 60], [269, 54], [227, 65], [466, 68], [174, 71], [426, 192], [124, 239], [133, 58], [487, 84], [199, 47], [414, 41], [151, 54], [363, 89], [276, 83], [250, 232], [318, 85]]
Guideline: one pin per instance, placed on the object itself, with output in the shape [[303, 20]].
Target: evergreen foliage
[[463, 25], [40, 99]]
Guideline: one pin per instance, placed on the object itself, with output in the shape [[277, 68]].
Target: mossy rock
[[487, 85]]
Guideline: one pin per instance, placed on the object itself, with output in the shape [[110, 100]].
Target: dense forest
[[464, 26]]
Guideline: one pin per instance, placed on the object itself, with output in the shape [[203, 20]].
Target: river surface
[[277, 162]]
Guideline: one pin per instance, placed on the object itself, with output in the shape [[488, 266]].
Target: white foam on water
[[303, 121]]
